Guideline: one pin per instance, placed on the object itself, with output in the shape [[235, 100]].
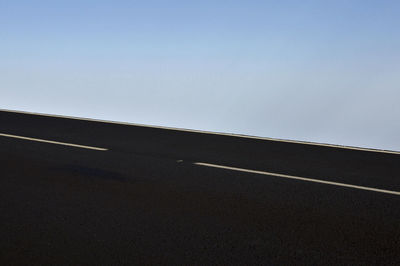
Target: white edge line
[[299, 178], [53, 142], [209, 132]]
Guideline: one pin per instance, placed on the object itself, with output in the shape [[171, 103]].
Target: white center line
[[299, 178], [54, 142]]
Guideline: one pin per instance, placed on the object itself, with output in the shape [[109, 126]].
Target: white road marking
[[54, 142], [299, 178], [210, 133]]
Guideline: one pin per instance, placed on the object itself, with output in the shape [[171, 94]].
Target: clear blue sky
[[325, 71]]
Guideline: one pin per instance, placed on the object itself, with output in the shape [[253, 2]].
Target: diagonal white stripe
[[53, 142], [300, 178]]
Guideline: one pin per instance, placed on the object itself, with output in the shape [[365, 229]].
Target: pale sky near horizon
[[323, 71]]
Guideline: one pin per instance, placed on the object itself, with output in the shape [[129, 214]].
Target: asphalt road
[[141, 195]]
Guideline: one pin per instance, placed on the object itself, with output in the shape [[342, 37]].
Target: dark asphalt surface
[[136, 204]]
